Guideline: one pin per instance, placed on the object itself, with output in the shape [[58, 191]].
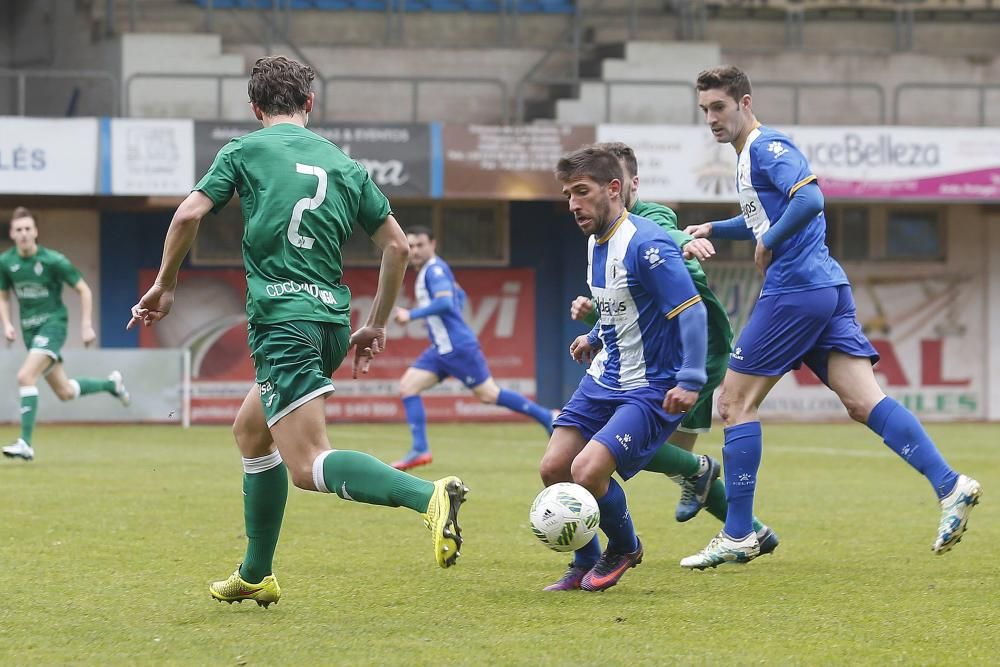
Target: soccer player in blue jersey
[[650, 345], [453, 351], [805, 314]]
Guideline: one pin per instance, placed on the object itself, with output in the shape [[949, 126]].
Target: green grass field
[[111, 536]]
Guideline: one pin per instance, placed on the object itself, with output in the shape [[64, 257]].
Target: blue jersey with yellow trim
[[769, 171], [640, 284], [447, 330]]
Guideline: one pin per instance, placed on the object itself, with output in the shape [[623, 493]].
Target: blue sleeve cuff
[[693, 324], [593, 339]]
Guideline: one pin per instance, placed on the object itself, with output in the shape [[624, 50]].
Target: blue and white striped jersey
[[447, 331], [639, 285], [769, 171]]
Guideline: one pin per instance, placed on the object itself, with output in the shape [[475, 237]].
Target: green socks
[[672, 460], [29, 410], [265, 490], [364, 479], [93, 385]]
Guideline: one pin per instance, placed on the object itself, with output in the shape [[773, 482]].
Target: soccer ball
[[564, 516]]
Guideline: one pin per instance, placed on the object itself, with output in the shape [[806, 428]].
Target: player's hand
[[762, 257], [89, 335], [679, 400], [402, 316], [9, 333], [580, 308], [368, 342], [700, 248], [702, 231], [153, 306], [581, 350]]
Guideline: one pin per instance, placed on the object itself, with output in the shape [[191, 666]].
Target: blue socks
[[417, 419], [588, 556], [616, 521], [901, 430], [514, 401], [741, 460]]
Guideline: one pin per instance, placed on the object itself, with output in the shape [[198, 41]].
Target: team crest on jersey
[[14, 268], [38, 268], [777, 149]]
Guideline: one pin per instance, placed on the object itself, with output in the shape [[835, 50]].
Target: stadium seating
[[476, 6]]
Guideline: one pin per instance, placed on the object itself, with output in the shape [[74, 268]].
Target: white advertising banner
[[683, 163], [154, 379], [152, 157], [48, 156], [927, 325]]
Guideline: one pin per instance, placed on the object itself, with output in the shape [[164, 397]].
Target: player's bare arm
[[369, 340], [156, 303], [87, 332], [9, 333]]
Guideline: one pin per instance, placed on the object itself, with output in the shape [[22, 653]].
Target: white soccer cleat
[[955, 510], [120, 391], [19, 450], [724, 549]]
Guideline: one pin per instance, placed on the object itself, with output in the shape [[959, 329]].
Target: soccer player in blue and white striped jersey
[[648, 361], [805, 314]]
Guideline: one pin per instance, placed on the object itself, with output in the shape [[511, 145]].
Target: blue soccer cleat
[[695, 489]]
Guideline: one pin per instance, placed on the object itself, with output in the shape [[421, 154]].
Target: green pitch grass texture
[[112, 535]]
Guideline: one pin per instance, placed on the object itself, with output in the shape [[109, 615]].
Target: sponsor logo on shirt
[[275, 290], [31, 291], [610, 307]]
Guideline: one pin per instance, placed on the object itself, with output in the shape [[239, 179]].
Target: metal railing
[[981, 88], [126, 109], [415, 82], [21, 77]]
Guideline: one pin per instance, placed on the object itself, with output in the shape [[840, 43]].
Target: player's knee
[[486, 396], [857, 410], [302, 475], [25, 379], [590, 477], [553, 470], [725, 405], [65, 392]]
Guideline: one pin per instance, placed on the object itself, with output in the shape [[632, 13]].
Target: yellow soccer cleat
[[442, 519], [234, 589]]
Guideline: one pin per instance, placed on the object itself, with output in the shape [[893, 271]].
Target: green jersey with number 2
[[300, 196]]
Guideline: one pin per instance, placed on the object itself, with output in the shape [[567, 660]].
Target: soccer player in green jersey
[[300, 196], [697, 475], [37, 275]]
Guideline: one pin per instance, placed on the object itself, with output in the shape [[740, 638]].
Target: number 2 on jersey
[[306, 204]]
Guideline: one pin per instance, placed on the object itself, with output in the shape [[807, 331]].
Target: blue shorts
[[468, 365], [631, 424], [786, 330]]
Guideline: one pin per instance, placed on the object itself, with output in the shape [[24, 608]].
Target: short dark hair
[[729, 78], [21, 212], [592, 162], [420, 230], [624, 153], [280, 86]]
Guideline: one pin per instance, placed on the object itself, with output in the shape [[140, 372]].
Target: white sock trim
[[261, 463], [318, 480], [76, 388], [29, 391]]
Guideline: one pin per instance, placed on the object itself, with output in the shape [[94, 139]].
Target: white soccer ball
[[564, 516]]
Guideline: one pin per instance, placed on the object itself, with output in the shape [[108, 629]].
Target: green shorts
[[294, 362], [699, 418], [47, 338]]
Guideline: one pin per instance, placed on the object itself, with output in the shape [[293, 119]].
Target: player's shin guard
[[417, 420], [265, 490], [902, 432], [514, 401], [29, 411], [362, 478], [616, 521], [741, 460]]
